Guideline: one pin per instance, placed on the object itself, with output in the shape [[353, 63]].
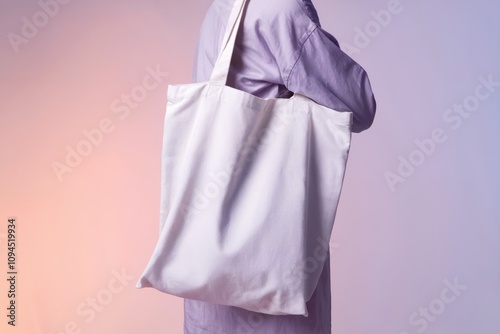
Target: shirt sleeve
[[328, 76]]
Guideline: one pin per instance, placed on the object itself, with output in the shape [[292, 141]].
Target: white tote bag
[[249, 193]]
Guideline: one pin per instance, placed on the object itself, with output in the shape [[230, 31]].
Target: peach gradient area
[[85, 231], [82, 101]]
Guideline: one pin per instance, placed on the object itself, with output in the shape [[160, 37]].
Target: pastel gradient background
[[85, 235]]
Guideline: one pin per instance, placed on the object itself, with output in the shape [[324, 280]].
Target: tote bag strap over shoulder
[[221, 68]]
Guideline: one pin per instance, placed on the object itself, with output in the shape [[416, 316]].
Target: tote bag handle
[[221, 68]]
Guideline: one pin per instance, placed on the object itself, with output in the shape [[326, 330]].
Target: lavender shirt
[[281, 48]]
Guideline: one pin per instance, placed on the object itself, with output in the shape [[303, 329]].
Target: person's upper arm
[[327, 75]]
